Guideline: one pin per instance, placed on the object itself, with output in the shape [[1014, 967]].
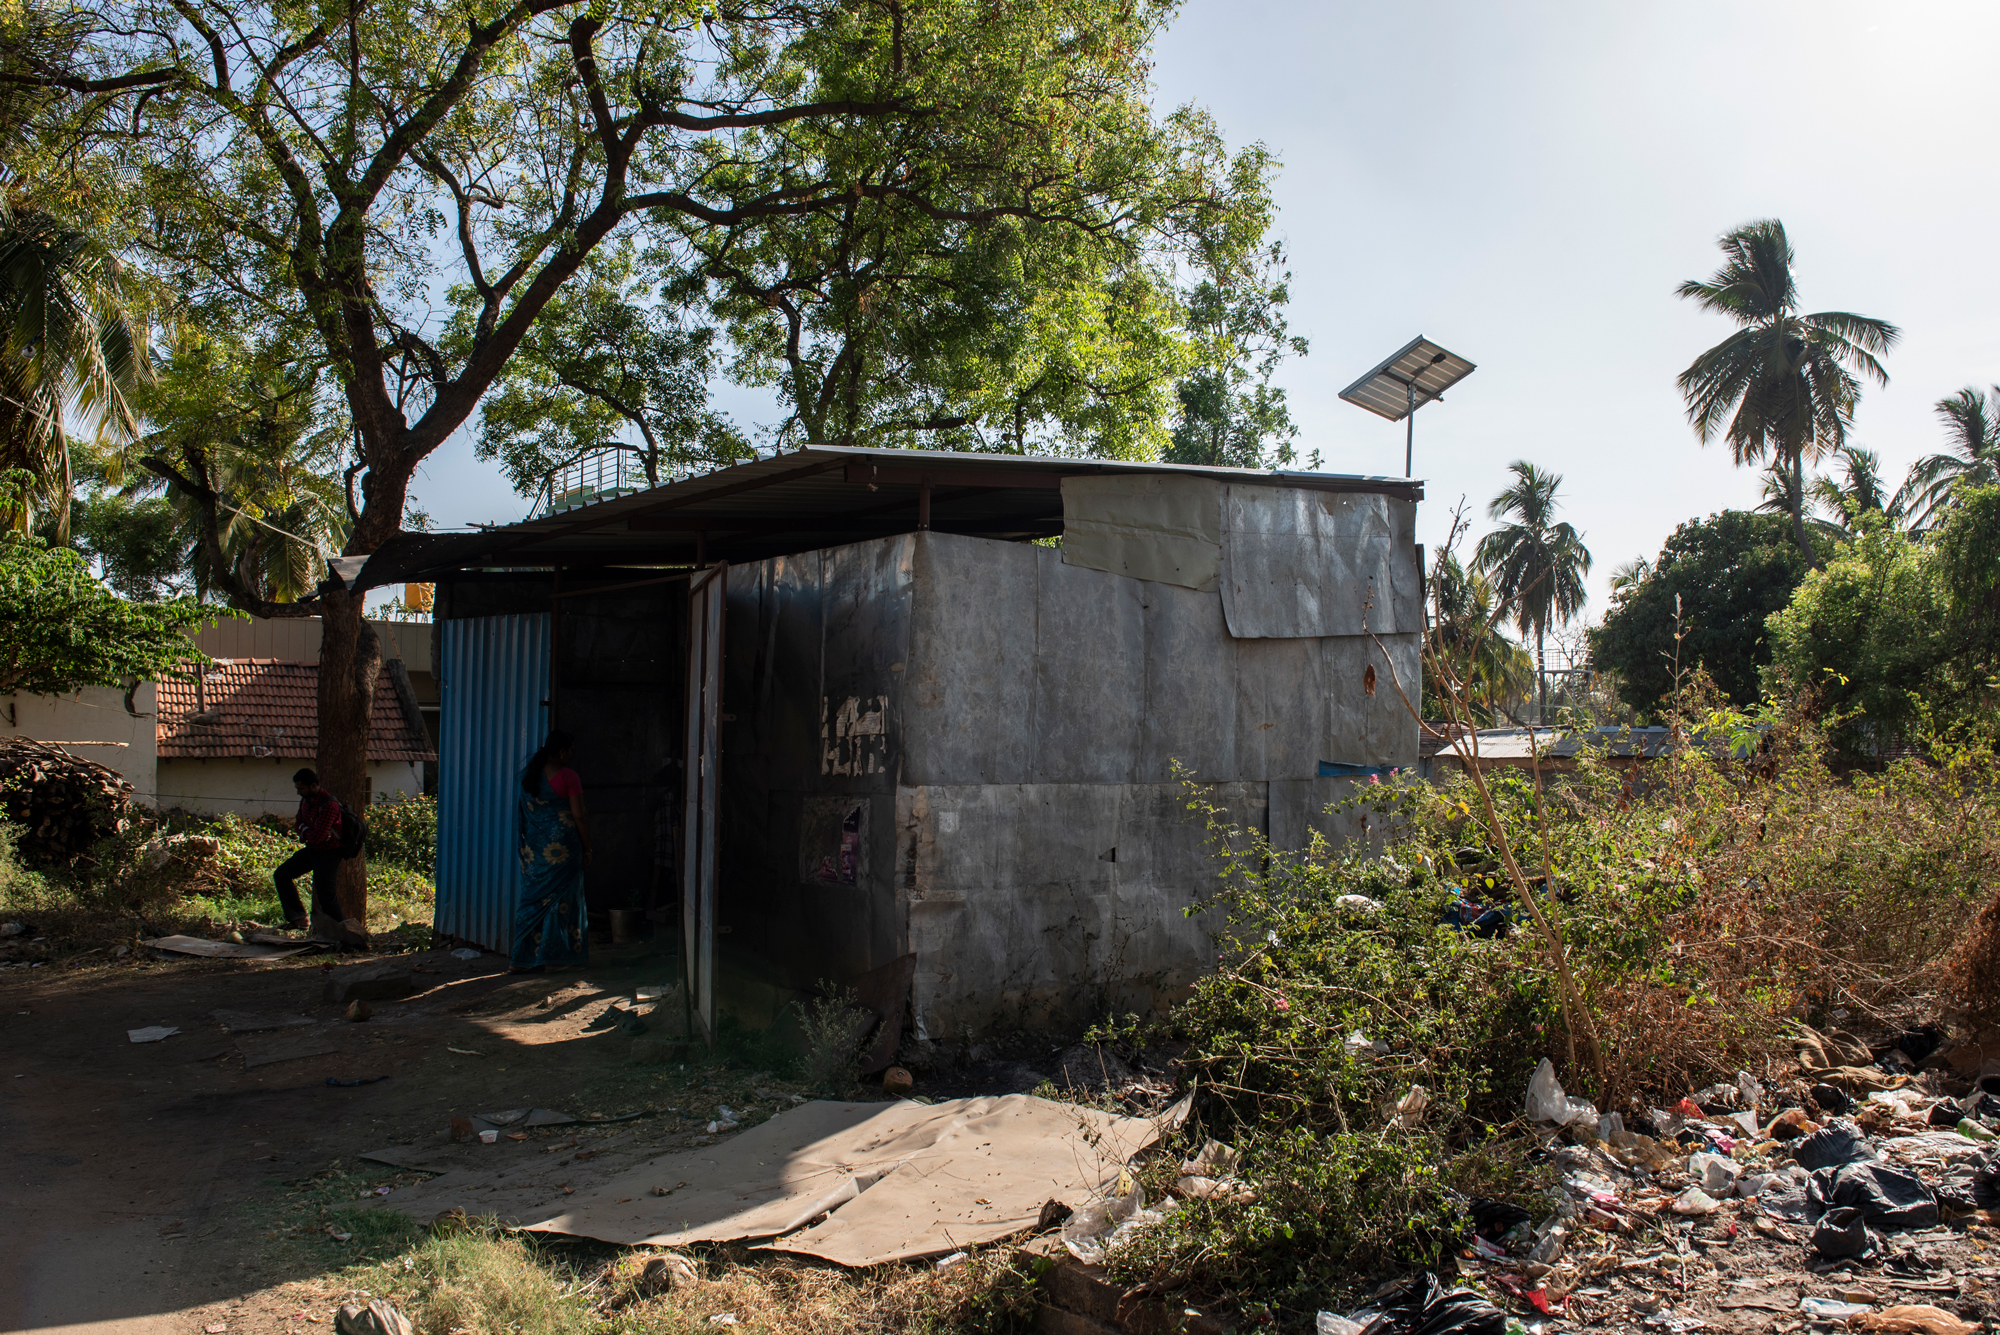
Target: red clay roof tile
[[262, 707]]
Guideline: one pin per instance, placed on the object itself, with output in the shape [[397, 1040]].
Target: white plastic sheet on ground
[[853, 1183]]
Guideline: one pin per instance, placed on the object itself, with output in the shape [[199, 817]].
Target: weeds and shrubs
[[179, 872], [404, 832], [1703, 899], [832, 1025]]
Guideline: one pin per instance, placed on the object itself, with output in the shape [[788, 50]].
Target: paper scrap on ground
[[895, 1180], [228, 950], [151, 1033]]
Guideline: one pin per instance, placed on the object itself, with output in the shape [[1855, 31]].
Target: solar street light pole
[[1410, 434]]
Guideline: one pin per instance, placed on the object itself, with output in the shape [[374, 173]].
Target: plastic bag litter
[[1211, 1175], [1718, 1175], [1332, 1323], [1888, 1197], [1422, 1306], [1839, 1141], [1359, 1044], [1831, 1309], [1695, 1201], [1094, 1229], [1752, 1092], [465, 953], [1410, 1108], [1546, 1101], [1841, 1235], [1360, 902]]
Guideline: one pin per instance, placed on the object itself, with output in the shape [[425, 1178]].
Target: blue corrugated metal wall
[[496, 676]]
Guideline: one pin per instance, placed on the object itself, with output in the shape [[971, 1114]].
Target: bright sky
[[1527, 183]]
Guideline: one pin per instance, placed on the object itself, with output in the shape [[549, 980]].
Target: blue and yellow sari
[[552, 924]]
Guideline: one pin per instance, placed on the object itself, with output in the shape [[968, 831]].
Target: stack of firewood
[[59, 803]]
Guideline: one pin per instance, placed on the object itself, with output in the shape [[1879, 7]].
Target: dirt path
[[141, 1184]]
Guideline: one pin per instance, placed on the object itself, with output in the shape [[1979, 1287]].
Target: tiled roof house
[[232, 740]]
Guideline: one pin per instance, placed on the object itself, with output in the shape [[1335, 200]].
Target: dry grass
[[481, 1280]]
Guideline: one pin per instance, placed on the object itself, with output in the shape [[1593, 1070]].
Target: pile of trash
[[1858, 1170]]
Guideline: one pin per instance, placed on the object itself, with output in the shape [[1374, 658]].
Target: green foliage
[[832, 1060], [1231, 415], [607, 362], [136, 541], [20, 888], [1493, 670], [1972, 424], [1729, 573], [1536, 564], [1896, 636], [248, 443], [404, 832], [1743, 884], [75, 327], [1784, 386], [60, 629]]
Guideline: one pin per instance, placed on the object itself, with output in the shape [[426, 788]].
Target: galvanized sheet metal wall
[[496, 676]]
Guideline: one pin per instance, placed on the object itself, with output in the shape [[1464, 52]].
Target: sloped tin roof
[[259, 707]]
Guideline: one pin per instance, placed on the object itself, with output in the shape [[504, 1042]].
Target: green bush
[[1704, 902], [404, 832]]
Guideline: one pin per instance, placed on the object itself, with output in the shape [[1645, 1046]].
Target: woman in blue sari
[[552, 924]]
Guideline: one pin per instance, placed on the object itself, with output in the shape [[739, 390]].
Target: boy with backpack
[[331, 833]]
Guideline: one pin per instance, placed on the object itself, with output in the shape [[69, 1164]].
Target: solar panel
[[1422, 364]]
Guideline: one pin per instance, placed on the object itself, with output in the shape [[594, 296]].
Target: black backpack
[[353, 832]]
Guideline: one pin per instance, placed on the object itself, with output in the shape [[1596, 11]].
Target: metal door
[[495, 689], [707, 593]]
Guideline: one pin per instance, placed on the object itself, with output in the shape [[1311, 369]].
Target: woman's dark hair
[[553, 745]]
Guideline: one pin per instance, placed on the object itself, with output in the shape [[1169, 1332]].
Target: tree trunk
[[1541, 678], [1798, 509], [350, 663]]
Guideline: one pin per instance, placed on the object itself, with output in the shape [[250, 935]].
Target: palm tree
[[1974, 431], [1490, 668], [74, 328], [1860, 492], [1783, 387], [1535, 564], [1631, 575]]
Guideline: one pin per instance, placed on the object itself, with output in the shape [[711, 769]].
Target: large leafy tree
[[61, 629], [1972, 427], [1897, 637], [1230, 412], [903, 205], [610, 367], [1714, 584], [1535, 562], [1784, 386]]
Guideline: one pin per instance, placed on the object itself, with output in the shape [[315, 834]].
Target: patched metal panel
[[1367, 729], [496, 678], [1090, 671], [1307, 564], [1052, 904], [969, 692], [1162, 528]]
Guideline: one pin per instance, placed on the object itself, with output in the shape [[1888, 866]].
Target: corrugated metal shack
[[924, 745]]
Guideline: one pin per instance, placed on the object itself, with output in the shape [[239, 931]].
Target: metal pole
[[1410, 433]]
